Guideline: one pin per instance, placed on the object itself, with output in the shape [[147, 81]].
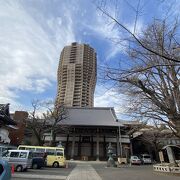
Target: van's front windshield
[[5, 154]]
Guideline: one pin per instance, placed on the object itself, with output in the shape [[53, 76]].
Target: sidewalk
[[36, 176], [83, 172]]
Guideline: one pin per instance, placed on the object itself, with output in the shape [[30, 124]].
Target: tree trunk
[[177, 124], [53, 141], [156, 154], [38, 138]]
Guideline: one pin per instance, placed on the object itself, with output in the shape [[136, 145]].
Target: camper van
[[21, 159]]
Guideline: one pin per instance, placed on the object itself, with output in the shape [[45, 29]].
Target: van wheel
[[55, 164], [34, 166], [19, 168]]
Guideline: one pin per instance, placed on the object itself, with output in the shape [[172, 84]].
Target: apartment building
[[76, 76]]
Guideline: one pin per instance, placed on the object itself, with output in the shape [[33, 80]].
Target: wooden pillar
[[73, 145], [67, 143], [131, 146], [92, 146], [79, 147], [118, 145], [104, 146], [97, 145], [120, 142]]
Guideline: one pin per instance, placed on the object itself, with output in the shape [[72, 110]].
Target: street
[[86, 170], [143, 172], [44, 173]]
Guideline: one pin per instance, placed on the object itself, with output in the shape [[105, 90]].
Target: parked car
[[55, 155], [135, 160], [4, 148], [38, 160], [146, 159], [20, 159]]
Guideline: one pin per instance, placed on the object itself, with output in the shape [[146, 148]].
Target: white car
[[135, 160], [146, 159]]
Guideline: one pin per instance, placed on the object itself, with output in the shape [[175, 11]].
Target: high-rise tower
[[76, 76]]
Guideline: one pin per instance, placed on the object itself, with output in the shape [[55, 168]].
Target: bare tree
[[153, 137], [54, 117], [48, 120], [152, 78], [36, 124], [134, 38], [153, 81]]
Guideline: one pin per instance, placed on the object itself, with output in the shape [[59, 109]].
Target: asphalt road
[[44, 173], [143, 172]]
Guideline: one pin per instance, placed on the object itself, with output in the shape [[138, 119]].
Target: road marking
[[84, 172], [36, 176]]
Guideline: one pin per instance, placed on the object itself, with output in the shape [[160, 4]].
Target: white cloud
[[31, 38], [16, 105], [109, 98], [137, 28], [42, 84], [105, 28], [29, 49]]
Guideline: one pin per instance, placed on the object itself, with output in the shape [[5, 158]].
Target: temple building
[[90, 130]]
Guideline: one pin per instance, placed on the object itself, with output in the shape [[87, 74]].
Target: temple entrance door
[[85, 148], [85, 151]]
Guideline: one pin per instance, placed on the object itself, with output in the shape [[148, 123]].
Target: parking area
[[134, 172], [44, 173]]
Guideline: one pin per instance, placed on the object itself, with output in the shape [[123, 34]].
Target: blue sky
[[33, 33]]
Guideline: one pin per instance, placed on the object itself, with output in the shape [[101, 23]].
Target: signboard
[[161, 156]]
